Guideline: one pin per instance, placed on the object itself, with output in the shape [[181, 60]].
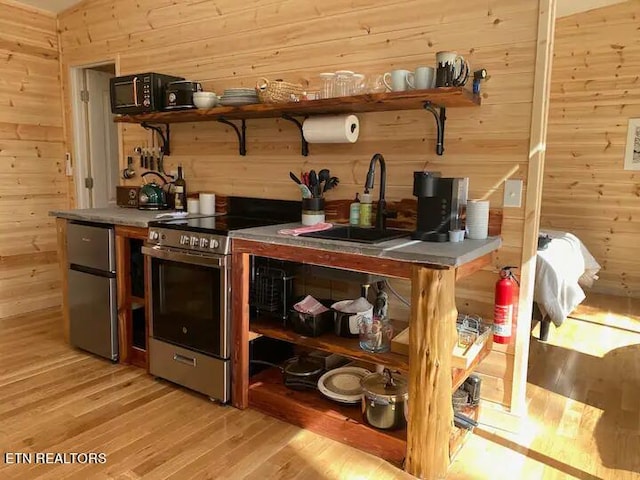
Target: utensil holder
[[312, 211]]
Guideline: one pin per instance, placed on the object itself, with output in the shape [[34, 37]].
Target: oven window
[[187, 307], [124, 94]]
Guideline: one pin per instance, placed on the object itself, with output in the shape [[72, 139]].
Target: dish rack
[[271, 289]]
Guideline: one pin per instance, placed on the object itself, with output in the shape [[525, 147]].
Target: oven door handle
[[218, 261]]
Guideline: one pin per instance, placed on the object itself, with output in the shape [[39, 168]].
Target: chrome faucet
[[381, 213]]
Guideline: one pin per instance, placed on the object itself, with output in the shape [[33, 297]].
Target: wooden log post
[[240, 330], [431, 339]]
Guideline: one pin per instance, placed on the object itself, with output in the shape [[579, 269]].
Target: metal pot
[[385, 400]]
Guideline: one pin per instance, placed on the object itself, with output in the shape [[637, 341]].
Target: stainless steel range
[[190, 272]]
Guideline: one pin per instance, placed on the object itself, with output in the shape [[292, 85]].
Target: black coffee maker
[[439, 203]]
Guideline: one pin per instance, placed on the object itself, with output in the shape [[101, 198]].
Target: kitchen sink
[[358, 234]]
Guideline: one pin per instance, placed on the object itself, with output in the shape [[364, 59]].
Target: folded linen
[[318, 227], [310, 305]]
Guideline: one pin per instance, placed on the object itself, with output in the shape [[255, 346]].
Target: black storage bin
[[311, 325]]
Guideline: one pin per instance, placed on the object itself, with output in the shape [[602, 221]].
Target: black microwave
[[139, 93]]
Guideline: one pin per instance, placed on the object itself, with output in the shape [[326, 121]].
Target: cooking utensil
[[304, 190], [302, 372], [294, 178], [385, 400], [331, 183], [313, 183], [323, 176]]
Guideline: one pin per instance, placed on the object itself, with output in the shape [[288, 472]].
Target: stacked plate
[[343, 384], [239, 96]]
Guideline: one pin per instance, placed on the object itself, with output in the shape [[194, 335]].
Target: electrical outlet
[[513, 193]]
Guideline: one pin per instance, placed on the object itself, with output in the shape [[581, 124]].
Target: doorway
[[96, 150]]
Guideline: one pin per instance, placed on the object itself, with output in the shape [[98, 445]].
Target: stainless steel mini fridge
[[93, 310]]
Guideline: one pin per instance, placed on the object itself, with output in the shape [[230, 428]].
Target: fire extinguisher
[[503, 310]]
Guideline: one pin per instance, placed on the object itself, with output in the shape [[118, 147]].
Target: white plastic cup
[[207, 203], [456, 235], [193, 205], [478, 219]]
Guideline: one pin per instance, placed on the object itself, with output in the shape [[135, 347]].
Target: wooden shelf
[[460, 374], [329, 342], [343, 423], [371, 102], [350, 347], [310, 410]]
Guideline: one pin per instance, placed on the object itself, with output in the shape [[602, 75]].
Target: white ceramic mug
[[398, 80], [425, 77]]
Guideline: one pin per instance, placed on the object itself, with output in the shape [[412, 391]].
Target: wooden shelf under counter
[[350, 347], [344, 423]]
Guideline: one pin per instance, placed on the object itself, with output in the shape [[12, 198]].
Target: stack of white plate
[[239, 96], [343, 384], [477, 219]]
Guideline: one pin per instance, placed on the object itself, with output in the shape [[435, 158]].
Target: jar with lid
[[328, 84], [344, 83]]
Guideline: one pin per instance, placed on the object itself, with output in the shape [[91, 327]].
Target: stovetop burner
[[209, 235], [218, 225]]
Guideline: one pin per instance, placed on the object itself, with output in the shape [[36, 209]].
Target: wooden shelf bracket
[[304, 144], [441, 118], [164, 136], [240, 132]]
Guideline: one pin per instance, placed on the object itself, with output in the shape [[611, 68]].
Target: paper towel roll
[[331, 129]]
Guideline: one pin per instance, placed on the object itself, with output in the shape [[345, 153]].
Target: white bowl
[[205, 99]]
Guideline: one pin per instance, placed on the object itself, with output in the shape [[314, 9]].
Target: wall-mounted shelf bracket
[[304, 144], [164, 136], [240, 132], [441, 118]]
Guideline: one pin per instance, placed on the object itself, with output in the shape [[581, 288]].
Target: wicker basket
[[278, 91]]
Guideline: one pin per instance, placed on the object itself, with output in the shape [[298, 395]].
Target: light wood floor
[[584, 417]]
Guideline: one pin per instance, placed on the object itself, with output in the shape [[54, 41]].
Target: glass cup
[[344, 83], [375, 84], [328, 84], [375, 334], [358, 86]]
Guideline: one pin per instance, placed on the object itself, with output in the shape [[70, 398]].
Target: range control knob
[[204, 242], [214, 243], [146, 102], [153, 235], [194, 241], [184, 239]]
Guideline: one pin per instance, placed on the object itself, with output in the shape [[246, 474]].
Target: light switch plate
[[513, 193], [67, 165]]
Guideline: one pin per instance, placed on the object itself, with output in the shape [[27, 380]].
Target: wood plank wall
[[228, 43], [595, 90], [32, 180]]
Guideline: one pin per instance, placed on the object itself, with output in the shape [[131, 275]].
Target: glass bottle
[[180, 192]]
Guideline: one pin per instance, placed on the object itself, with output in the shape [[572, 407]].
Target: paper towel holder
[[304, 144]]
